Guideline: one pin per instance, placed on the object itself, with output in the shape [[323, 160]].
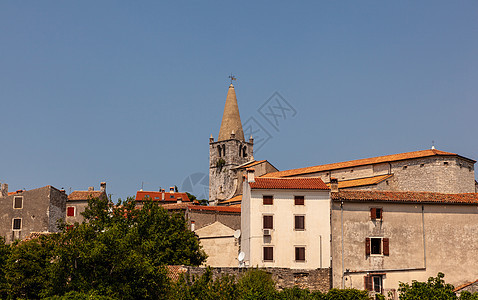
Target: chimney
[[211, 139], [91, 188], [193, 225], [250, 175], [334, 184], [4, 190], [171, 190], [162, 195], [251, 140], [103, 187]]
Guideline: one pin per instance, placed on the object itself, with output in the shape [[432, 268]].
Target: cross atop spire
[[231, 120], [232, 77]]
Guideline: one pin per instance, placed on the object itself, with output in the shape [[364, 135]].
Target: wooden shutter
[[386, 247], [373, 213], [70, 211], [299, 222], [298, 200], [367, 246], [268, 253], [267, 222], [368, 284], [267, 200]]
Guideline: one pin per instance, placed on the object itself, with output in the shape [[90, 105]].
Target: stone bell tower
[[228, 152]]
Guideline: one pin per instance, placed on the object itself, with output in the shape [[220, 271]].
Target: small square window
[[268, 253], [376, 213], [299, 222], [18, 202], [267, 200], [17, 224], [70, 211], [267, 222], [376, 246], [299, 253], [299, 200]]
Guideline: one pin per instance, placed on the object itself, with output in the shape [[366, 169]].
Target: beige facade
[[219, 243], [284, 238], [417, 237]]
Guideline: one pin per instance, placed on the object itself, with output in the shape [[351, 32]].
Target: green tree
[[434, 288], [256, 284], [465, 295]]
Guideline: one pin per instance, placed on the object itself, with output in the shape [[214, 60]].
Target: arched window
[[219, 150], [223, 150], [240, 150], [244, 151]]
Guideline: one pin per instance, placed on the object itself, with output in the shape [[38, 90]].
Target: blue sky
[[129, 92]]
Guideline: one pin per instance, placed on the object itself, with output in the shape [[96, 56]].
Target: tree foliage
[[434, 288]]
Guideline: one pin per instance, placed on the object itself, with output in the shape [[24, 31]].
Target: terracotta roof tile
[[85, 195], [215, 208], [157, 196], [311, 183], [362, 162], [237, 198], [405, 197], [175, 272], [362, 181]]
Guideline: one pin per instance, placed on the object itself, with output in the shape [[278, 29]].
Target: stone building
[[422, 171], [231, 154], [78, 201], [33, 211], [162, 197], [381, 238]]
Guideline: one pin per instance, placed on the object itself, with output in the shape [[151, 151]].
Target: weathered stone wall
[[415, 254], [80, 206], [36, 213], [316, 279], [223, 180]]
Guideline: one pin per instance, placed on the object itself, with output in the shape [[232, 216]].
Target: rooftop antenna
[[433, 145], [232, 77]]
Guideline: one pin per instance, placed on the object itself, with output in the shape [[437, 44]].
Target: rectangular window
[[377, 246], [299, 222], [373, 283], [17, 224], [299, 253], [70, 211], [268, 253], [267, 200], [18, 202], [376, 213], [299, 200], [267, 222]]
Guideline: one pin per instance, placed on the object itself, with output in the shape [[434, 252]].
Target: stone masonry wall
[[204, 218], [316, 279]]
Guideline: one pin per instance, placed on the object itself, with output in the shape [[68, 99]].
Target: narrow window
[[18, 202], [17, 224], [267, 222], [219, 150], [240, 150], [70, 211], [267, 200], [299, 200], [377, 284], [244, 153], [376, 213], [299, 253], [299, 222], [223, 150], [268, 253], [376, 246]]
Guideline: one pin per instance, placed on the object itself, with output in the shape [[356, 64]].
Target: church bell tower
[[228, 152]]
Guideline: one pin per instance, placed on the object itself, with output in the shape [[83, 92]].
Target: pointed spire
[[231, 120]]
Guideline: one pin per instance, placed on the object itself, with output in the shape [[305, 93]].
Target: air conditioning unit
[[267, 231]]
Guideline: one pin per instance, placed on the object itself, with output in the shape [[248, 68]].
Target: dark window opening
[[268, 253], [376, 213], [267, 222], [300, 253], [18, 202], [223, 150], [299, 222], [298, 200], [219, 150], [377, 284], [376, 246], [267, 200], [244, 153], [445, 163], [17, 224]]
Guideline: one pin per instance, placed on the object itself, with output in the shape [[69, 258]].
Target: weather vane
[[232, 77]]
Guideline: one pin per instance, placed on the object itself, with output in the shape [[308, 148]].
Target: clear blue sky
[[130, 91]]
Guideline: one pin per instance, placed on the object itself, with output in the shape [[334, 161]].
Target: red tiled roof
[[311, 183], [362, 181], [362, 162], [84, 195], [175, 272], [405, 197], [157, 196], [237, 198], [251, 164]]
